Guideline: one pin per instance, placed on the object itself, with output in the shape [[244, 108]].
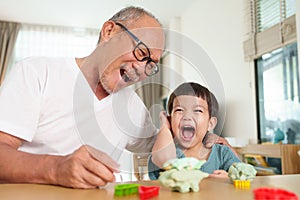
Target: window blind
[[271, 25]]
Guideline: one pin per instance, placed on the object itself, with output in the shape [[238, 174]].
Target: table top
[[210, 188]]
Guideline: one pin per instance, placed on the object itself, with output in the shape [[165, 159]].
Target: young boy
[[193, 110]]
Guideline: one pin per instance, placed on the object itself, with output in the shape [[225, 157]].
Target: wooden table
[[210, 188]]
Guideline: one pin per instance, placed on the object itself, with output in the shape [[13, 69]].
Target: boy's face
[[190, 120]]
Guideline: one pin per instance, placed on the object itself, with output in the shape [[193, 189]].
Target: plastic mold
[[147, 192], [242, 184], [126, 189], [273, 193]]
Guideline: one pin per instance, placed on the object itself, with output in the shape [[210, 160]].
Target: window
[[278, 101], [54, 41], [271, 44]]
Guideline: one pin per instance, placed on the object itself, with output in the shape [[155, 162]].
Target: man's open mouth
[[124, 75], [129, 75], [187, 132]]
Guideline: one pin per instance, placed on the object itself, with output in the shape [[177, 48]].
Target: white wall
[[219, 28], [298, 26]]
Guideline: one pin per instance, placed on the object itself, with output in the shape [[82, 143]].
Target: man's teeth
[[125, 77], [130, 76]]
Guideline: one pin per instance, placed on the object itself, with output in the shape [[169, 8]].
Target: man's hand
[[211, 139], [85, 168]]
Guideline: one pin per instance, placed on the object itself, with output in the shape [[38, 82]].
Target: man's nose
[[140, 69]]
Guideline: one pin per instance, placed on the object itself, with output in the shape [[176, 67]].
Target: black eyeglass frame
[[153, 68]]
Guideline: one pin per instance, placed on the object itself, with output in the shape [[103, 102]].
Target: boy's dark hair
[[197, 90]]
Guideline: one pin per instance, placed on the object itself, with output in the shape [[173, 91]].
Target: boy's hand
[[164, 120], [219, 174]]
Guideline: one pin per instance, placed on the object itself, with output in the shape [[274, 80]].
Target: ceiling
[[83, 13]]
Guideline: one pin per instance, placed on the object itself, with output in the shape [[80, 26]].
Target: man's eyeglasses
[[141, 53]]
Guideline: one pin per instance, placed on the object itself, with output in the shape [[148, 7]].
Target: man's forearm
[[21, 167]]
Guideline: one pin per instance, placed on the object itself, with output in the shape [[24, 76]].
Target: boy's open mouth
[[187, 132]]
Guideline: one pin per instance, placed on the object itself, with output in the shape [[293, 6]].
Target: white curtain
[[54, 41]]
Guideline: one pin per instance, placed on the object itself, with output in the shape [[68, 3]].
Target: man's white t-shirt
[[48, 103]]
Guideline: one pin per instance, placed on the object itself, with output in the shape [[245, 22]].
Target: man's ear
[[212, 123], [108, 29]]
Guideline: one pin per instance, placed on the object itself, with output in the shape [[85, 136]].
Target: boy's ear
[[108, 29], [212, 123]]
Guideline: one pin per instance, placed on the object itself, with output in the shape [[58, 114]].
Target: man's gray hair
[[131, 13], [128, 14]]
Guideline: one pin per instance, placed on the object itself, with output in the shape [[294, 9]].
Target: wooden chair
[[288, 153], [140, 164]]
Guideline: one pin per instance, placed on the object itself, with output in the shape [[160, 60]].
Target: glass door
[[277, 89]]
